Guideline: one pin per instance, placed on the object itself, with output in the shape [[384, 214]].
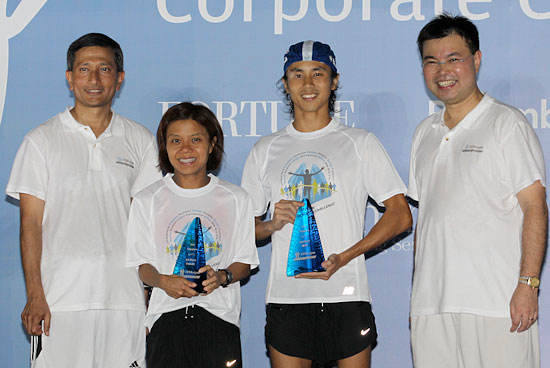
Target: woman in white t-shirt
[[193, 321]]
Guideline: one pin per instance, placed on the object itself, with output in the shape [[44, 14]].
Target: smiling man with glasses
[[477, 171]]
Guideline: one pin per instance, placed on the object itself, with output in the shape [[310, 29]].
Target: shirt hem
[[82, 307], [461, 310], [153, 317], [317, 300]]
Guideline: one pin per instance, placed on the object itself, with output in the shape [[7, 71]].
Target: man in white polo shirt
[[74, 176], [477, 171]]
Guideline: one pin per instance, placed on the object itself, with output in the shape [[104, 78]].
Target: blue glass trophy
[[191, 255], [305, 253]]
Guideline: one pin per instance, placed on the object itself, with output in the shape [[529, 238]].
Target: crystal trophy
[[191, 256], [305, 253]]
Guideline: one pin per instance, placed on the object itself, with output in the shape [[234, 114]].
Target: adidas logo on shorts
[[134, 365]]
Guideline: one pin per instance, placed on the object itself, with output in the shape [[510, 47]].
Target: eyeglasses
[[432, 65]]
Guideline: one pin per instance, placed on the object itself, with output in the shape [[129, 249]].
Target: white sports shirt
[[159, 218], [337, 168], [87, 184]]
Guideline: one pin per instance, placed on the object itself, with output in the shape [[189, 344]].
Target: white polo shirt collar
[[471, 120], [72, 125]]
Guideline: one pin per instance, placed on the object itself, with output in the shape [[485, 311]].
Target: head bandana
[[310, 51]]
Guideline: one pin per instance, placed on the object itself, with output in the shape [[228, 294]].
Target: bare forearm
[[239, 271], [532, 201], [149, 275], [534, 235], [264, 229], [36, 309], [393, 222], [32, 210], [31, 254]]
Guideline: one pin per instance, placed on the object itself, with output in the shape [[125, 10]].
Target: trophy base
[[300, 270], [199, 288]]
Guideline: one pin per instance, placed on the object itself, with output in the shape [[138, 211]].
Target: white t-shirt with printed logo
[[468, 235], [337, 168], [87, 184], [161, 214]]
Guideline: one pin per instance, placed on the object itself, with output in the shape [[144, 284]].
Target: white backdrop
[[229, 55]]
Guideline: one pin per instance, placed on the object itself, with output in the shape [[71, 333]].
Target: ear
[[212, 144], [334, 85], [285, 85], [69, 77], [120, 77], [477, 60]]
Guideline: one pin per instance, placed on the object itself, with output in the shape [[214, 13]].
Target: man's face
[[309, 85], [455, 81], [94, 79]]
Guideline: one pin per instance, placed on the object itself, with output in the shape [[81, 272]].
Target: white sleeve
[[245, 240], [29, 173], [523, 156], [148, 168], [379, 175], [140, 242], [252, 183]]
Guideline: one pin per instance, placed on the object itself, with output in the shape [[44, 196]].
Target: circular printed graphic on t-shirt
[[308, 175], [182, 226]]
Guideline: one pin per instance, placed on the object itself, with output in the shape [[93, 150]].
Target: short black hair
[[290, 105], [203, 116], [446, 24], [95, 39]]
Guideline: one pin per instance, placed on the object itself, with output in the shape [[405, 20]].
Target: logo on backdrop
[[258, 118], [399, 10], [10, 27], [177, 230]]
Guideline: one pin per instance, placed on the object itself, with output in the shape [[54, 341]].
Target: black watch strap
[[228, 277]]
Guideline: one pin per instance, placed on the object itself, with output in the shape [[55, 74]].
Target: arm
[[393, 222], [36, 310], [174, 285], [318, 171], [216, 278], [524, 302], [284, 212]]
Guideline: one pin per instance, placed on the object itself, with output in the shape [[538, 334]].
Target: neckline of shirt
[[72, 124], [171, 184], [315, 134], [471, 120]]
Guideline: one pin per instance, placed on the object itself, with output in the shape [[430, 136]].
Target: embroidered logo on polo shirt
[[134, 365], [472, 148], [125, 161]]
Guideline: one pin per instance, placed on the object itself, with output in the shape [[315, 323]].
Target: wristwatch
[[228, 277], [532, 281]]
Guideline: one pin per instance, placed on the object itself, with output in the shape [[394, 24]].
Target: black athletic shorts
[[320, 332], [193, 338]]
